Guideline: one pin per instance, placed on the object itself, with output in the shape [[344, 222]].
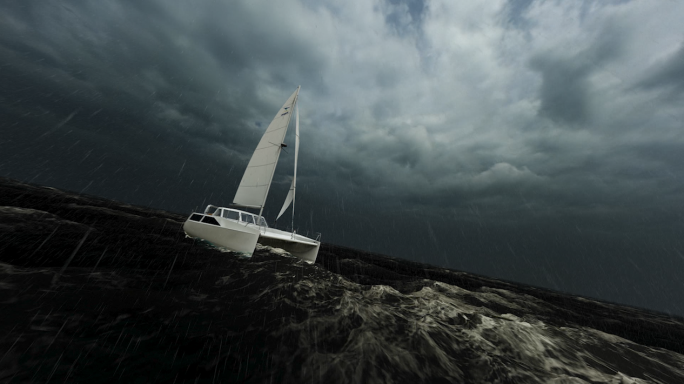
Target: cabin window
[[262, 222], [247, 218], [195, 217], [231, 215], [218, 212], [210, 210], [210, 220]]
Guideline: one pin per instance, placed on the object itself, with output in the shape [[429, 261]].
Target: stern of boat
[[297, 245]]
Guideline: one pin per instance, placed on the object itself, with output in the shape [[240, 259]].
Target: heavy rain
[[493, 191]]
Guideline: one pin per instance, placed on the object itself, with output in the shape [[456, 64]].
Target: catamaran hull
[[297, 245], [233, 236], [241, 236], [305, 251]]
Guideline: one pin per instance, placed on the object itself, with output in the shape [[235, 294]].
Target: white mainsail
[[291, 194], [256, 181]]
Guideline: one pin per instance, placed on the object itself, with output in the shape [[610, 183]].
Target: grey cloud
[[667, 75], [405, 16], [230, 36], [506, 174], [514, 13], [566, 89]]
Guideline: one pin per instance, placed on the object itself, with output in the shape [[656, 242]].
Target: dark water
[[138, 302]]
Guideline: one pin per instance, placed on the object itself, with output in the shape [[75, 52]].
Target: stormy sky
[[535, 141]]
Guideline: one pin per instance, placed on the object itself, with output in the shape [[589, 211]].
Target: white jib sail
[[256, 181], [291, 194]]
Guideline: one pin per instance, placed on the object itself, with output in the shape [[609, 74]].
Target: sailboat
[[238, 230]]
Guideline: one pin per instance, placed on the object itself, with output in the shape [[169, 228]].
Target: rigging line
[[277, 145], [277, 129], [262, 165]]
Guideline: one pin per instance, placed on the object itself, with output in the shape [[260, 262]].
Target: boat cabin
[[232, 214]]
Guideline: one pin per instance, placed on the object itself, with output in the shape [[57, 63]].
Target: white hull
[[299, 246], [240, 236], [228, 234]]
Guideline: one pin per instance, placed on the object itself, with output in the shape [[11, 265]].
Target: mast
[[291, 193], [294, 180]]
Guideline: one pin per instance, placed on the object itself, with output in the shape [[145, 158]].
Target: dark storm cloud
[[668, 75], [565, 89], [168, 70]]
